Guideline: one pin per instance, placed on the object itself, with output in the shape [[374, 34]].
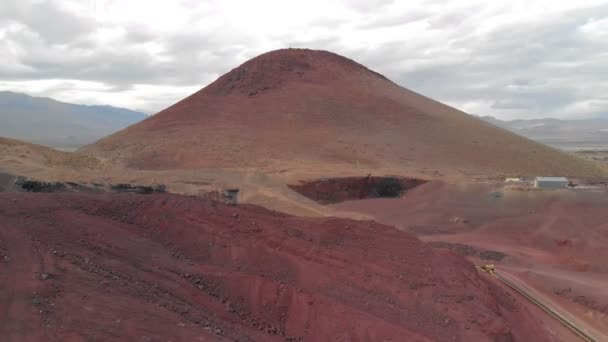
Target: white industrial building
[[550, 182]]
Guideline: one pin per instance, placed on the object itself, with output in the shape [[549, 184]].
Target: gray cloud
[[380, 21], [449, 19], [368, 5], [540, 66], [552, 54], [49, 21]]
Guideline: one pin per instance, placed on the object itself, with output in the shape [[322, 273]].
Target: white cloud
[[509, 59]]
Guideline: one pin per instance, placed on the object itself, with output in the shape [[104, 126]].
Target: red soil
[[165, 267], [307, 110], [555, 240], [336, 190], [569, 226]]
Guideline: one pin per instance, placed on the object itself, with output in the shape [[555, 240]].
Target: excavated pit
[[336, 190]]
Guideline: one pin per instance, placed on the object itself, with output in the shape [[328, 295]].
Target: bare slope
[[108, 268], [41, 161], [300, 108], [555, 241]]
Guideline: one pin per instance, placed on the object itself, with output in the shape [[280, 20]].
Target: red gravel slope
[[553, 241], [305, 110], [84, 267]]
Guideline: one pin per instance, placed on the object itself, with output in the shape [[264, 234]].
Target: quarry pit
[[336, 190]]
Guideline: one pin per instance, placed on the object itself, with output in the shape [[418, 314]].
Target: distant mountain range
[[57, 124], [572, 135], [68, 126]]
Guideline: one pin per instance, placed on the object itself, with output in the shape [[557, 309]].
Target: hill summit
[[311, 110], [277, 68]]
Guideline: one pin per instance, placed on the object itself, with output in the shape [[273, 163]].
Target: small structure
[[550, 182], [231, 196], [517, 181]]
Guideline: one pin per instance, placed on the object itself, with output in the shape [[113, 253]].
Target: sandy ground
[[553, 240], [554, 330], [597, 156], [580, 316], [109, 267], [539, 232]]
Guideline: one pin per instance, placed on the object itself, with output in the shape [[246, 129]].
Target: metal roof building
[[551, 182]]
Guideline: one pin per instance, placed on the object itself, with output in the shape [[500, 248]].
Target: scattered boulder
[[17, 183], [466, 250], [139, 189], [39, 186], [459, 220]]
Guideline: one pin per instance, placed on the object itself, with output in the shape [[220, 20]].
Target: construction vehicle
[[487, 268]]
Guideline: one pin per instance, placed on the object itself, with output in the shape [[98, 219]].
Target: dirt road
[[584, 330]]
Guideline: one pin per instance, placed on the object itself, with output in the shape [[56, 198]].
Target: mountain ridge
[[46, 121], [570, 134]]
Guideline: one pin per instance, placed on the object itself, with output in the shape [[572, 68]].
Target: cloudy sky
[[510, 59]]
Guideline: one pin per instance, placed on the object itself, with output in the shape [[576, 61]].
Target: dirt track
[[554, 239], [165, 267], [579, 327]]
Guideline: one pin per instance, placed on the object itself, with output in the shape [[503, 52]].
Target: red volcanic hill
[[300, 108], [107, 267]]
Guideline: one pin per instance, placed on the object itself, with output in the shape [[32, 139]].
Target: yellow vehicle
[[488, 268]]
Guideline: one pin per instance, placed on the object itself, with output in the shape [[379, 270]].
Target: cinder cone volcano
[[298, 108]]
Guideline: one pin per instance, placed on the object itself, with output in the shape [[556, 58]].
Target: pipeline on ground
[[564, 321]]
